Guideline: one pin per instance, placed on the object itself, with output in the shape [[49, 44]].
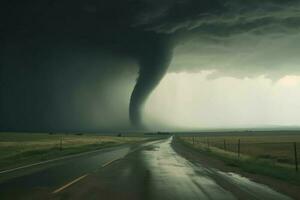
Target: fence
[[281, 152]]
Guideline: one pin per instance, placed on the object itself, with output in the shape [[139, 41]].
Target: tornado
[[153, 64]]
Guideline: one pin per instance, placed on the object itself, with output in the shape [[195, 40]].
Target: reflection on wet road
[[177, 178], [174, 177]]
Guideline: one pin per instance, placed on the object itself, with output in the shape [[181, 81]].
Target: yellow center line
[[69, 184]]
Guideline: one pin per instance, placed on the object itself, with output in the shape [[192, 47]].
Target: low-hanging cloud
[[235, 38]]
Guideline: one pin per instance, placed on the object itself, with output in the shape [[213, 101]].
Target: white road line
[[69, 184], [81, 177], [52, 160], [110, 162]]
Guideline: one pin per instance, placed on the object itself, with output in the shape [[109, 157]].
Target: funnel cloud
[[153, 66]]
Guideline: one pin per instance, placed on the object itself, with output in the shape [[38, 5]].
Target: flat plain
[[17, 149]]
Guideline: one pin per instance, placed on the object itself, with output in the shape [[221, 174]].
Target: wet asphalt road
[[151, 171], [34, 182]]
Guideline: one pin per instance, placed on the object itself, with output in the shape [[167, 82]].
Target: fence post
[[239, 148], [296, 156], [224, 144], [60, 145], [207, 143]]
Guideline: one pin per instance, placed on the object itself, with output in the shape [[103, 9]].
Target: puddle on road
[[256, 189], [151, 148]]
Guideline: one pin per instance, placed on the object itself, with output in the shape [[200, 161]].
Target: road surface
[[152, 170]]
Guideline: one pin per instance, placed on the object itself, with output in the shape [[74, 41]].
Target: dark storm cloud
[[47, 42], [222, 17], [235, 37]]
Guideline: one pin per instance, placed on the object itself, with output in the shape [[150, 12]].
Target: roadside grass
[[248, 163], [18, 149], [278, 148]]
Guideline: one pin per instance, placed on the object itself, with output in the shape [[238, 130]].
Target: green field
[[272, 155], [18, 149]]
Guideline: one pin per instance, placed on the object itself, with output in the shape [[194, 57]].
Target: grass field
[[278, 148], [18, 149], [271, 155]]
